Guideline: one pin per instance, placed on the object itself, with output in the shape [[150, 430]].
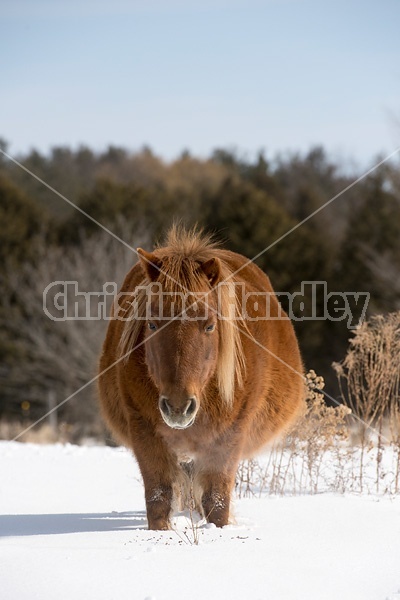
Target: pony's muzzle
[[178, 416]]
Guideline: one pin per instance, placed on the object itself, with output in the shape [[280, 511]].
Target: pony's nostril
[[178, 417], [164, 406], [190, 407]]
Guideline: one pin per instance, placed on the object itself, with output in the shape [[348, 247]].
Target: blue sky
[[279, 75]]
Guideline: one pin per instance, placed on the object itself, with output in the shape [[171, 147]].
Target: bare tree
[[54, 352]]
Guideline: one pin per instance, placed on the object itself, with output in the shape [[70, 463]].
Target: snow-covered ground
[[73, 526]]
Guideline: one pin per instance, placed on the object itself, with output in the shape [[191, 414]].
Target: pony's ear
[[150, 264], [212, 270]]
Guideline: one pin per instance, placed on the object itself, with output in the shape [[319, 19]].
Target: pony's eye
[[152, 326], [210, 327]]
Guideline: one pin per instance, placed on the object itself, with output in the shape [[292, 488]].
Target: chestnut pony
[[200, 369]]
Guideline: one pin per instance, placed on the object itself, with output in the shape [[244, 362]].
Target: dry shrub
[[369, 378], [369, 374], [298, 463], [43, 434], [323, 429], [319, 455], [354, 447]]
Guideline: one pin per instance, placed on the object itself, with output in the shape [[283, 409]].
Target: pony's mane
[[191, 243], [181, 256]]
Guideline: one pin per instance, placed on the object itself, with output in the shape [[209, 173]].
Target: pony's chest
[[187, 445]]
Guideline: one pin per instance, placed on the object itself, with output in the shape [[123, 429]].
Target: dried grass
[[353, 447]]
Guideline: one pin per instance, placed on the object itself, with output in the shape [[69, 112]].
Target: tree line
[[251, 204]]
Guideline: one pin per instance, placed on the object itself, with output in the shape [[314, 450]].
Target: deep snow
[[73, 526]]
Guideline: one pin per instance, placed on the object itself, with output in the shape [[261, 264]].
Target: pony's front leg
[[159, 496], [216, 496], [160, 472]]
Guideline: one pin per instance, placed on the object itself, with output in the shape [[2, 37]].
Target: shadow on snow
[[25, 525]]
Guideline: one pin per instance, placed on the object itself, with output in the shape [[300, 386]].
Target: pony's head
[[181, 337], [190, 341]]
